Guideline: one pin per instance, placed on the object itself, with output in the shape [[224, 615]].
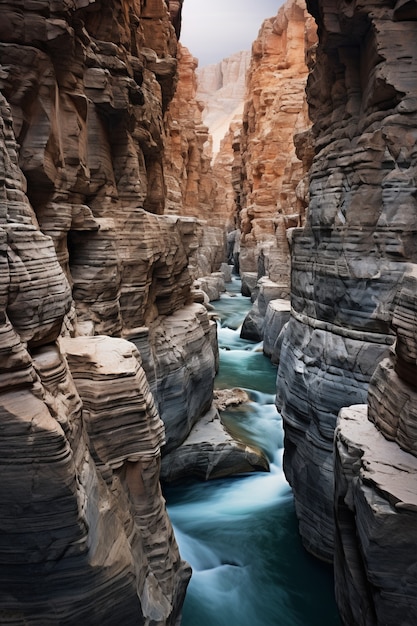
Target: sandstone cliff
[[276, 153], [348, 266], [275, 110], [221, 90], [188, 172], [89, 255]]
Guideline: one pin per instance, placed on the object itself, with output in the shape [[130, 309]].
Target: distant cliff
[[275, 110], [221, 89]]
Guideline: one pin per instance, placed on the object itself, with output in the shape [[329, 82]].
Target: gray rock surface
[[276, 317], [350, 258], [210, 452], [376, 485], [376, 517], [254, 324]]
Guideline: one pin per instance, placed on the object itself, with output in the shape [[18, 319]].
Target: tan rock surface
[[188, 172], [84, 90], [275, 109]]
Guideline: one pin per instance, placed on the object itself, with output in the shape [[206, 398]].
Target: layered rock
[[188, 173], [221, 90], [375, 485], [210, 452], [350, 258], [275, 110], [87, 252]]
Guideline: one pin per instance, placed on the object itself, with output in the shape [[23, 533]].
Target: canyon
[[119, 226]]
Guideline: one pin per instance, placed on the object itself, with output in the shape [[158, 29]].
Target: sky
[[214, 29]]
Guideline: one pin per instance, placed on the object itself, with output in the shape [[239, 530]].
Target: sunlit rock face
[[272, 199], [349, 260], [221, 90], [188, 146], [188, 173], [88, 253], [375, 484]]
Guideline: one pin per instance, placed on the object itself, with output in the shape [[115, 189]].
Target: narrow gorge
[[135, 185]]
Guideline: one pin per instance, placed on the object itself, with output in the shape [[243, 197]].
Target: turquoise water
[[240, 534]]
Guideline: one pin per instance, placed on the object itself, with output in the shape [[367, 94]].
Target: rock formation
[[221, 88], [275, 110], [188, 173], [348, 264], [89, 256], [376, 484], [211, 452], [276, 153]]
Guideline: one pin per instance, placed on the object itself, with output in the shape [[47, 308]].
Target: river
[[240, 534]]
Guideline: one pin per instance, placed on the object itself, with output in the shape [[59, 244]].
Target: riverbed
[[240, 534]]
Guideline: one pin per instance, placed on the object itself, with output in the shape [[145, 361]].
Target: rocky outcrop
[[274, 321], [275, 110], [89, 255], [349, 260], [375, 485], [221, 90], [210, 452], [226, 168]]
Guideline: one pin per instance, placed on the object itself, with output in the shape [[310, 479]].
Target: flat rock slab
[[384, 465], [210, 452]]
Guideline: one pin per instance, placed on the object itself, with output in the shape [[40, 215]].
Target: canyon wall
[[376, 484], [190, 183], [275, 110], [348, 296], [221, 88], [90, 261]]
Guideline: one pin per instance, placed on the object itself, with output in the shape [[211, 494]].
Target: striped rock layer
[[350, 259]]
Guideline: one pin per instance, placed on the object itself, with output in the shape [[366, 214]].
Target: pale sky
[[214, 29]]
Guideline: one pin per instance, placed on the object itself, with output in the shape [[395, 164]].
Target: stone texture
[[376, 513], [189, 175], [276, 317], [254, 324], [349, 260], [375, 485], [87, 251], [275, 109], [185, 362], [70, 516], [274, 178], [209, 452], [188, 146], [221, 90], [226, 169]]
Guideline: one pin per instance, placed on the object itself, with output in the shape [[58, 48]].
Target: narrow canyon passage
[[240, 534]]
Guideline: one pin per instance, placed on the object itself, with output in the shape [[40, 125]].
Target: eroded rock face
[[275, 110], [210, 452], [188, 172], [349, 260], [375, 485], [87, 252], [221, 90]]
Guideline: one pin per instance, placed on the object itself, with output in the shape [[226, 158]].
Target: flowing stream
[[240, 534]]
